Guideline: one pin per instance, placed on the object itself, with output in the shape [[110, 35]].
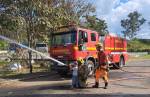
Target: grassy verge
[[23, 73], [145, 57], [3, 63], [37, 70]]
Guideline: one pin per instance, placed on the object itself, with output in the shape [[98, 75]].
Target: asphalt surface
[[132, 81]]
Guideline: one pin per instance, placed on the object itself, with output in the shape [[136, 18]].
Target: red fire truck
[[73, 42]]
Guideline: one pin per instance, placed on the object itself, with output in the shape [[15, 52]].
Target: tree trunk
[[29, 45], [30, 53], [30, 59]]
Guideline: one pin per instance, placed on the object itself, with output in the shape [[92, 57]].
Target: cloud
[[113, 11], [105, 6]]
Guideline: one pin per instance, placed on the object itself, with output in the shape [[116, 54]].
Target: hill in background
[[139, 45]]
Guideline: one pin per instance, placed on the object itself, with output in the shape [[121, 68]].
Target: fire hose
[[13, 41], [136, 76]]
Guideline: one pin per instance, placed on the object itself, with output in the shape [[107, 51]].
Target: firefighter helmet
[[98, 45], [80, 60]]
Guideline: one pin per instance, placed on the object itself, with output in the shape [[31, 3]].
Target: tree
[[77, 9], [43, 16], [132, 24], [30, 20], [35, 16], [96, 24]]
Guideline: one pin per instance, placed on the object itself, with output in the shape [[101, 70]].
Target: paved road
[[133, 81]]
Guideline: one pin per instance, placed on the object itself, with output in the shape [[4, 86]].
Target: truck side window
[[93, 37], [83, 37]]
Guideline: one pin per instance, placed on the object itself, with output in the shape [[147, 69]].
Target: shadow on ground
[[84, 95], [38, 76]]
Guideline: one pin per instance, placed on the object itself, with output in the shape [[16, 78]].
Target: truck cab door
[[82, 40]]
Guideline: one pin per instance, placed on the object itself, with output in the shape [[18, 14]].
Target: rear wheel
[[90, 66], [120, 64]]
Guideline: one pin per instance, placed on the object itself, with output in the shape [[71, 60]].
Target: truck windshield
[[64, 38]]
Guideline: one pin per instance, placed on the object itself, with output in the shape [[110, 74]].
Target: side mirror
[[85, 39]]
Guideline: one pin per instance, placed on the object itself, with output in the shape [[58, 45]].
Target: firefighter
[[82, 73], [102, 67]]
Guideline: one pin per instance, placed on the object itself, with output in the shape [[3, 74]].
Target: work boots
[[96, 85], [106, 85]]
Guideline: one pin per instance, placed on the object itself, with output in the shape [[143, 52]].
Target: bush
[[137, 45], [3, 45]]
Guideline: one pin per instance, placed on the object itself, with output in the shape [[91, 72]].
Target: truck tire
[[120, 64], [90, 66]]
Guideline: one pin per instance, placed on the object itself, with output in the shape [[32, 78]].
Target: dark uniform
[[82, 73]]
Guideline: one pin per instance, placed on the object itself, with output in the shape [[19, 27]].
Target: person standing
[[74, 68], [102, 67]]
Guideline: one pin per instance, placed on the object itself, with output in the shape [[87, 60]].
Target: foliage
[[96, 24], [3, 45], [138, 45], [77, 9], [38, 18], [132, 24], [33, 20]]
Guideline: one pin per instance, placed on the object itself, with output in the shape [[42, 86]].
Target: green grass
[[3, 45], [20, 75], [145, 57], [3, 63], [5, 74], [138, 45], [23, 73]]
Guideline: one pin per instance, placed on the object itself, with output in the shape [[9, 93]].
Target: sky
[[113, 11]]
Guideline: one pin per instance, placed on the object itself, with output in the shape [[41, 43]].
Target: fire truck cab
[[70, 43]]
